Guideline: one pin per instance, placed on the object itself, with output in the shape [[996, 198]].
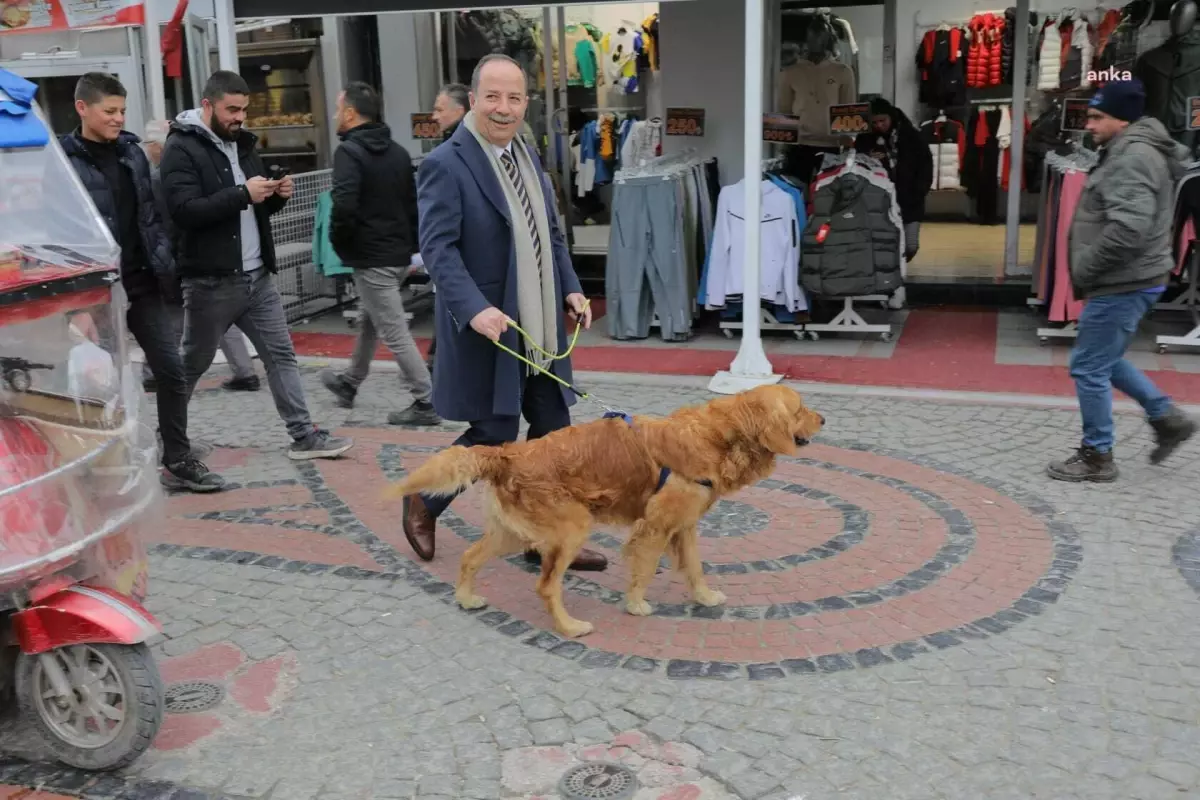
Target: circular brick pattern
[[729, 518], [847, 557]]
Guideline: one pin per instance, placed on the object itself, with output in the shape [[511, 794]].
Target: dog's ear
[[765, 419]]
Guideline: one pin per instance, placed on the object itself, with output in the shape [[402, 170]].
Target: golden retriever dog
[[657, 475]]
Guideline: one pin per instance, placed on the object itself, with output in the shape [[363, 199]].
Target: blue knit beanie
[[1121, 99]]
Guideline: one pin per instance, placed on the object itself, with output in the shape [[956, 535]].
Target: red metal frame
[[83, 614]]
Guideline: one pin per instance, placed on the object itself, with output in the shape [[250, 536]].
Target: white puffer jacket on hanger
[[1081, 37], [1050, 55]]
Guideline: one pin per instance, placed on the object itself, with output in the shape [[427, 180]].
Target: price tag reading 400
[[849, 119], [685, 122], [781, 128], [423, 127]]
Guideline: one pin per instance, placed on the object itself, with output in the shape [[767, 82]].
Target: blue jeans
[[1106, 327]]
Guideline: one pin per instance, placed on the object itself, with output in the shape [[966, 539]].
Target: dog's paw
[[710, 597], [576, 628], [471, 602], [639, 608]]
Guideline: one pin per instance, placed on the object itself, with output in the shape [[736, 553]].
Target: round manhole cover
[[192, 696], [598, 781]]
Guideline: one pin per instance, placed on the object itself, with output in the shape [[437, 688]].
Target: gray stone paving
[[399, 695]]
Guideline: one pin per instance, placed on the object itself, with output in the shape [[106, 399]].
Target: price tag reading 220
[[849, 119], [423, 127]]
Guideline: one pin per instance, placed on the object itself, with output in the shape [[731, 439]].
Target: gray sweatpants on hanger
[[646, 272]]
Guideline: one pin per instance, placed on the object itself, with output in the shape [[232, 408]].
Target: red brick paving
[[252, 687], [1013, 549]]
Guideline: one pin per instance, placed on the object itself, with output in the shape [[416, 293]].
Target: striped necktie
[[514, 175]]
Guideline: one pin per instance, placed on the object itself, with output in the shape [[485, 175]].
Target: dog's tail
[[448, 472]]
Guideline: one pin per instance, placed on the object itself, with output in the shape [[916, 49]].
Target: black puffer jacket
[[1171, 74], [206, 203], [1007, 46], [374, 218], [851, 243], [146, 263]]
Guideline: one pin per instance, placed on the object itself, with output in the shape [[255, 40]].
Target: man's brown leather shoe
[[419, 526], [586, 561]]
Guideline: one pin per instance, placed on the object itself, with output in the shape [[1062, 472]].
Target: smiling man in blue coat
[[490, 239]]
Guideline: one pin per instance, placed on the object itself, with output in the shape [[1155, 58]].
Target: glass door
[[56, 81], [199, 50]]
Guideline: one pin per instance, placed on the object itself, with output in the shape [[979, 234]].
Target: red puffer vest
[[985, 56]]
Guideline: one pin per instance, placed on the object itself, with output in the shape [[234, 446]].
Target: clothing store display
[[662, 218], [1049, 55], [1061, 188], [853, 243], [1118, 50], [641, 142], [619, 54], [985, 33], [981, 164], [1171, 74], [808, 89], [807, 33], [947, 142], [506, 31], [941, 65], [780, 249], [650, 41]]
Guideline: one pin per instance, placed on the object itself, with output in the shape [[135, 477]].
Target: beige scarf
[[537, 306]]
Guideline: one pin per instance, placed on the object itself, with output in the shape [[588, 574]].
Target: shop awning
[[253, 9]]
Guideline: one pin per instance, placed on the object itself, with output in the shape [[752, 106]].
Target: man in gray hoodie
[[1120, 254]]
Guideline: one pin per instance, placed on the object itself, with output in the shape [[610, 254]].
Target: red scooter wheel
[[112, 712]]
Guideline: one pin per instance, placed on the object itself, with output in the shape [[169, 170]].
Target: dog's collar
[[664, 473]]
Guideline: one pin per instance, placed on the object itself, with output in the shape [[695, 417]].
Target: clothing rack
[[848, 320], [666, 166], [1189, 299]]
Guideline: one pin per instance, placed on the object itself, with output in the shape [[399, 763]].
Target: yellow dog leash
[[553, 356]]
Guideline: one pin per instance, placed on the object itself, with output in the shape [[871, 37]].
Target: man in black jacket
[[116, 174], [233, 343], [373, 229], [221, 204]]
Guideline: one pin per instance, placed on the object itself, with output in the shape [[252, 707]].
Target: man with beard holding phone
[[221, 200]]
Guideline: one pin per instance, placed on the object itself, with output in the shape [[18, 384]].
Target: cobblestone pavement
[[914, 612]]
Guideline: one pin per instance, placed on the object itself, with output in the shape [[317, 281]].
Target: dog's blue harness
[[664, 473]]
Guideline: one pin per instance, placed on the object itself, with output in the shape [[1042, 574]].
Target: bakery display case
[[287, 102]]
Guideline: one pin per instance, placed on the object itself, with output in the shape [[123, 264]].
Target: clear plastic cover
[[49, 228], [78, 469]]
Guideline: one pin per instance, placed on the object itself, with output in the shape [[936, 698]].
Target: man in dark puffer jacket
[[116, 174]]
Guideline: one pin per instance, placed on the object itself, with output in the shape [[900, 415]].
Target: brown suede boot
[[419, 526], [1169, 432], [1087, 465]]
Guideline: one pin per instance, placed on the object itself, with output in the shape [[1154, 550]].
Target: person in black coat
[[373, 230], [116, 173], [452, 104], [895, 142], [221, 201]]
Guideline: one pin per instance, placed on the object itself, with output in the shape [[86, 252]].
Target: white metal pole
[[750, 367], [227, 57], [155, 85]]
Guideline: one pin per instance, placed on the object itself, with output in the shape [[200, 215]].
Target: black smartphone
[[277, 172]]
